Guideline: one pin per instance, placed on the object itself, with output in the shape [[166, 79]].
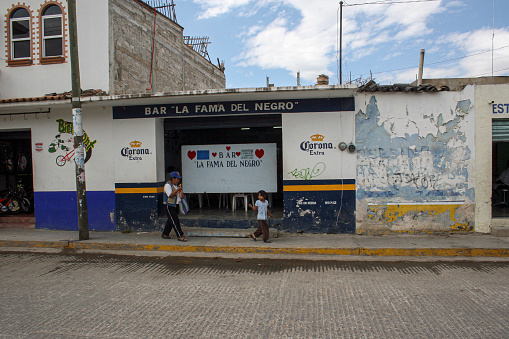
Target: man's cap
[[175, 174]]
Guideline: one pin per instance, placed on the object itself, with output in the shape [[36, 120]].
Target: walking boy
[[261, 206]]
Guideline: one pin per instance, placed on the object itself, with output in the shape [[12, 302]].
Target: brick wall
[[176, 67]]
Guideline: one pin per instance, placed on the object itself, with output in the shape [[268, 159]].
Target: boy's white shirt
[[262, 209]]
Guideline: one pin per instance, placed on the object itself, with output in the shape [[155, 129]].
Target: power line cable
[[498, 70], [388, 2], [438, 62]]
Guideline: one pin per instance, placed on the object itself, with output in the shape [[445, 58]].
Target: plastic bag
[[183, 206]]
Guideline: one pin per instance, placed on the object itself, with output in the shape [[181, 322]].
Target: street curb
[[359, 251]]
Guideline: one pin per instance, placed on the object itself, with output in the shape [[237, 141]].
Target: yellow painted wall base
[[445, 216]]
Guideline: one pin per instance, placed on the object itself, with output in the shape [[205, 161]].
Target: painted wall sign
[[63, 144], [497, 108], [234, 108], [135, 151], [232, 168]]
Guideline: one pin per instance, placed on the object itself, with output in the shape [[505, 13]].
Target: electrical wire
[[388, 2], [436, 63]]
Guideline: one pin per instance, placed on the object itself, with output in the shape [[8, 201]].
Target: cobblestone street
[[99, 296]]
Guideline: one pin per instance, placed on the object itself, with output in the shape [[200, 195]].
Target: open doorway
[[500, 199], [16, 177], [223, 210], [500, 165]]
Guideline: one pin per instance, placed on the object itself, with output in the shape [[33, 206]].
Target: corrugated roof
[[372, 86]]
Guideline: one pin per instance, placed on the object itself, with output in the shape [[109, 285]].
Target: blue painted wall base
[[59, 210]]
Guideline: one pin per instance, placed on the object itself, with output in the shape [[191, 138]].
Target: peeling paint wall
[[415, 162]]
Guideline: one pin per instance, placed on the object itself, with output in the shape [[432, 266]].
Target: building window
[[52, 33], [20, 34]]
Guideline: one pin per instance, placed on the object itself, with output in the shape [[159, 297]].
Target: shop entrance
[[500, 198], [223, 209], [16, 176]]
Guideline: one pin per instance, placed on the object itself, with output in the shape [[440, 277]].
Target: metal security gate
[[500, 130]]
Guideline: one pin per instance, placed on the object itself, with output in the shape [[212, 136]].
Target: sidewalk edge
[[359, 251]]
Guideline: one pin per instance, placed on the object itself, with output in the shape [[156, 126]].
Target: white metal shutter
[[500, 129]]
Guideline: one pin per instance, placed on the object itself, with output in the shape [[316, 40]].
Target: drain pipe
[[421, 67], [153, 47]]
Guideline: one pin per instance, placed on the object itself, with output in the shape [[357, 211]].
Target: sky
[[278, 38]]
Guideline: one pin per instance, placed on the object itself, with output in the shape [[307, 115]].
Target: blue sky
[[277, 38]]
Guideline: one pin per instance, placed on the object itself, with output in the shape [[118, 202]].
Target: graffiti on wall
[[399, 161]]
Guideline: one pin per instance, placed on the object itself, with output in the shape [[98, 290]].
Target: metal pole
[[79, 147], [340, 42]]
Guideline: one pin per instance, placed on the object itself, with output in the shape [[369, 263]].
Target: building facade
[[343, 160], [125, 47]]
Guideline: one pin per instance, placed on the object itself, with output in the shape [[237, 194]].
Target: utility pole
[[79, 147], [340, 42]]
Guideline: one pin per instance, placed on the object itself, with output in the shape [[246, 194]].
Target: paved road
[[107, 296]]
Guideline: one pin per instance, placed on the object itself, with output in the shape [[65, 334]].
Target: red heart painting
[[259, 153], [238, 154], [191, 154], [228, 148], [214, 154]]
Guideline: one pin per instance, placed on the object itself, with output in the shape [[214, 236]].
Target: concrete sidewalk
[[308, 245]]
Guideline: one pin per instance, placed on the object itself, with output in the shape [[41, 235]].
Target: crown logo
[[317, 137], [135, 143]]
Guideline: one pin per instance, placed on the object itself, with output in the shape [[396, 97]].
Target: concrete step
[[19, 221], [19, 218], [229, 233], [16, 225], [222, 223], [500, 231]]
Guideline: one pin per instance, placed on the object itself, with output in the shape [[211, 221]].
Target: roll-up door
[[500, 129]]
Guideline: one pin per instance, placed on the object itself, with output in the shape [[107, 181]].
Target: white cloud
[[311, 44], [479, 42], [471, 57], [213, 8], [303, 37]]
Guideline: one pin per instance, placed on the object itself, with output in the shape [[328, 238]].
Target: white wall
[[318, 163], [37, 80], [141, 166], [50, 177], [485, 97]]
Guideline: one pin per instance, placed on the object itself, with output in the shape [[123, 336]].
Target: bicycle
[[61, 159]]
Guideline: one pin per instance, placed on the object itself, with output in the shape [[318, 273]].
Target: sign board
[[234, 108], [229, 168]]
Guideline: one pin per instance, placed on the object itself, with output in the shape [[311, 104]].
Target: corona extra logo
[[316, 146], [135, 143], [317, 137]]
